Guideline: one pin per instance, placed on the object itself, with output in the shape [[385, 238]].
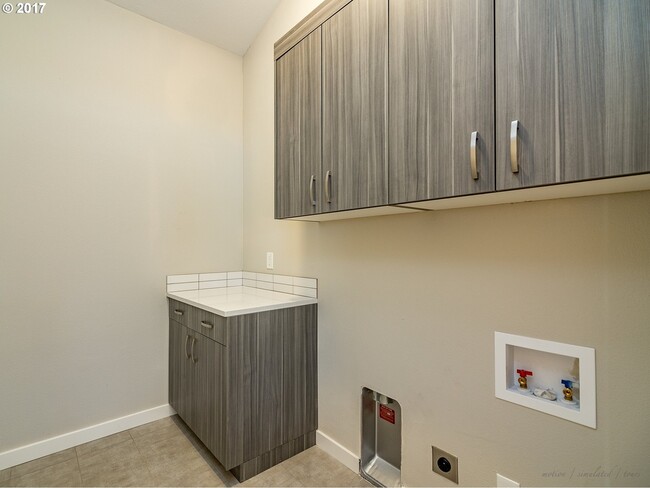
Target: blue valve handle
[[567, 383]]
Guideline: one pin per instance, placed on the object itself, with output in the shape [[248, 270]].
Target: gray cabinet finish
[[441, 81], [355, 69], [253, 402], [310, 23], [179, 312], [176, 359], [405, 83], [576, 74], [298, 129], [209, 324], [300, 375], [195, 383]]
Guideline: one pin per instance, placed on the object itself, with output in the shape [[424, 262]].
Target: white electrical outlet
[[269, 260]]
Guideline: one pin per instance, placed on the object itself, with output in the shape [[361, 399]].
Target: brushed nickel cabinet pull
[[473, 143], [207, 325], [179, 312], [328, 186], [312, 183], [187, 338], [514, 162], [194, 358]]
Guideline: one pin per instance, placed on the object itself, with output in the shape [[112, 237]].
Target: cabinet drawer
[[208, 324], [179, 312]]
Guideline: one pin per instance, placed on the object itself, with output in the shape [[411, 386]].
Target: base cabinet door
[[208, 394], [572, 88], [196, 382], [176, 359], [299, 371]]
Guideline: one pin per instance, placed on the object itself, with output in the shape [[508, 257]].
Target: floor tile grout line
[[76, 454], [202, 450], [144, 458]]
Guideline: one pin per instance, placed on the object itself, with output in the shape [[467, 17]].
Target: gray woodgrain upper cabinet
[[298, 179], [355, 89], [575, 74], [331, 97], [441, 79]]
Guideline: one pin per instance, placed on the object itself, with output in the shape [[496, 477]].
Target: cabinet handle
[[194, 358], [187, 338], [179, 312], [207, 325], [328, 186], [514, 163], [312, 183], [473, 143]]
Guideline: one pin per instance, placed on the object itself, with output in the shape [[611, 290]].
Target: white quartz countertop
[[239, 300]]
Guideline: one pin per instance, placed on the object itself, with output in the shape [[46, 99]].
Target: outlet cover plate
[[452, 474]]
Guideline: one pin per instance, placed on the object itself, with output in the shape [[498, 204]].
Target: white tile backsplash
[[227, 281], [282, 288], [207, 285], [304, 282], [305, 292], [285, 280], [213, 276], [184, 278], [264, 285], [183, 286], [265, 277]]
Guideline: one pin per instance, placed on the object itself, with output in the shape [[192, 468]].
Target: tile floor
[[167, 453]]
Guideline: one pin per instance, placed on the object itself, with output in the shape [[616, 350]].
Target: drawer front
[[179, 312], [209, 324]]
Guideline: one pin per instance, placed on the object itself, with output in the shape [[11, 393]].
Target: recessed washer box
[[550, 362]]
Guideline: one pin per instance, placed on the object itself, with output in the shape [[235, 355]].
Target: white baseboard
[[55, 444], [337, 451]]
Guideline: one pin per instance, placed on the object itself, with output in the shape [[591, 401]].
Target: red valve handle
[[523, 373]]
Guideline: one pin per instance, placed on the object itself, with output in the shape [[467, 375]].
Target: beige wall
[[409, 304], [120, 162]]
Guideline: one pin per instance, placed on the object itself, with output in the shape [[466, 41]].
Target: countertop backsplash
[[294, 285]]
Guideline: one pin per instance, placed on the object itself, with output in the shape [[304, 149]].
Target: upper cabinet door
[[355, 63], [298, 129], [575, 74], [441, 92]]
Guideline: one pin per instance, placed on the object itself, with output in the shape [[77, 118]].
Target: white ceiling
[[228, 24]]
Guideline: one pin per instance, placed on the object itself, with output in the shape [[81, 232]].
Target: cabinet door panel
[[208, 381], [355, 60], [181, 372], [441, 90], [300, 375], [298, 128], [268, 415], [576, 74], [176, 358], [241, 375]]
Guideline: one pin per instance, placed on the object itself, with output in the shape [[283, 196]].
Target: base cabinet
[[252, 402]]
